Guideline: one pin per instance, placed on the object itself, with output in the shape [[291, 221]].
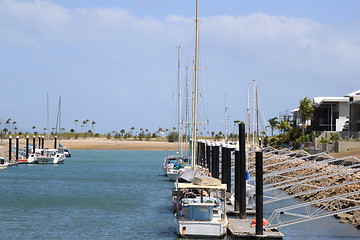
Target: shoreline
[[111, 144], [100, 144]]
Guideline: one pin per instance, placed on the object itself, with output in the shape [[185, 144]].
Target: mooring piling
[[42, 142], [208, 156], [27, 147], [34, 144], [55, 142], [228, 168], [17, 149], [259, 194], [10, 146]]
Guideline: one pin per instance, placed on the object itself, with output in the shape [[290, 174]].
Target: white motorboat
[[200, 210], [4, 163], [46, 156], [169, 162]]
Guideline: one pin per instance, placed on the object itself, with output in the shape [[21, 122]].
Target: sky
[[115, 62]]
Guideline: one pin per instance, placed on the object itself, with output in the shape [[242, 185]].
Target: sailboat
[[199, 204], [61, 148], [48, 155], [173, 164]]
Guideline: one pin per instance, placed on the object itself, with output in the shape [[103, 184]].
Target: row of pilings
[[217, 159], [29, 148]]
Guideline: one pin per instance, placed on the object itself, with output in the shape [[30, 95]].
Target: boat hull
[[201, 228], [56, 159], [172, 176]]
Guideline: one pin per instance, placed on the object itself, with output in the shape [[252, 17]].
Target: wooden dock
[[240, 228]]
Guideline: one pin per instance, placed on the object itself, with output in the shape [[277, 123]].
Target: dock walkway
[[240, 228]]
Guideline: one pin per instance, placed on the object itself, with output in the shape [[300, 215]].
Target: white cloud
[[124, 50]]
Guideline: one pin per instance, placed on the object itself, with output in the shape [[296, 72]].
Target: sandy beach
[[100, 144], [112, 144]]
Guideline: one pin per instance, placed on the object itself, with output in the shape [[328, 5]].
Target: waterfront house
[[331, 113], [354, 110]]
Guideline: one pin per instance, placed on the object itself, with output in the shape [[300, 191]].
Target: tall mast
[[187, 118], [254, 116], [195, 87], [179, 105], [47, 116], [248, 119], [58, 120]]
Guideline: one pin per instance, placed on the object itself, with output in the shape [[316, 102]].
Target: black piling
[[259, 194], [55, 142], [42, 142], [228, 169], [39, 141], [240, 174], [215, 161], [223, 164], [17, 148], [208, 156], [27, 147], [237, 182], [10, 146], [201, 154], [34, 144]]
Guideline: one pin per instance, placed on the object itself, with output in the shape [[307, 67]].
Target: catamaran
[[47, 155]]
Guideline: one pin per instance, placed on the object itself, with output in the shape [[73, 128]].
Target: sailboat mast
[[179, 105], [187, 117], [48, 116], [195, 87], [248, 119]]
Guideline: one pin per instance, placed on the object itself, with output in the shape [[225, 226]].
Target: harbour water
[[108, 195]]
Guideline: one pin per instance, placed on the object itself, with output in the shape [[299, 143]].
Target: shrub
[[173, 136]]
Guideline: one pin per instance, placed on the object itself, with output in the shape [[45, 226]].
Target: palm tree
[[273, 123], [92, 126], [83, 125], [76, 121], [8, 122], [306, 111], [283, 126], [122, 132], [33, 128], [14, 123], [132, 129], [86, 122], [5, 130]]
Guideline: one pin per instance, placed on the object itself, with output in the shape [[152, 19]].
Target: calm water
[[107, 195]]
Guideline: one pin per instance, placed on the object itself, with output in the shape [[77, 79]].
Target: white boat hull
[[172, 176], [201, 228], [56, 159]]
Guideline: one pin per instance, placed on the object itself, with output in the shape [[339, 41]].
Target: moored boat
[[200, 210], [46, 156]]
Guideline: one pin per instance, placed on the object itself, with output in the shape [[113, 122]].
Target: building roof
[[320, 100], [356, 93]]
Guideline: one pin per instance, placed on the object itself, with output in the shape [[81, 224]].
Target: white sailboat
[[173, 168], [199, 205]]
